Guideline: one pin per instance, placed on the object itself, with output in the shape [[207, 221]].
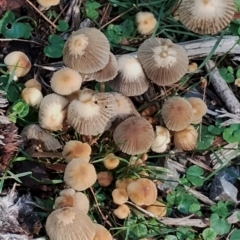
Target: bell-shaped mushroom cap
[[33, 83], [199, 109], [122, 211], [131, 80], [162, 138], [92, 113], [79, 174], [123, 183], [102, 233], [32, 96], [48, 3], [66, 81], [70, 198], [158, 209], [120, 196], [163, 61], [104, 179], [177, 113], [76, 149], [134, 135], [186, 139], [69, 223], [52, 112], [146, 22], [206, 16], [111, 161], [86, 51], [18, 60], [108, 72]]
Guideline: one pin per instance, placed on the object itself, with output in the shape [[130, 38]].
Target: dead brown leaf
[[6, 5]]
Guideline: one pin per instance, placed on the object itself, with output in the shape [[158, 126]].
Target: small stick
[[19, 40], [69, 11]]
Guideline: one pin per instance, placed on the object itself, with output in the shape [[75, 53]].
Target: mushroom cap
[[69, 223], [111, 161], [66, 81], [162, 138], [158, 209], [237, 82], [33, 83], [142, 192], [206, 16], [108, 72], [92, 113], [146, 22], [73, 96], [163, 61], [123, 183], [186, 139], [101, 233], [122, 211], [199, 109], [134, 135], [79, 174], [192, 67], [177, 113], [86, 51], [20, 60], [120, 196], [131, 79], [48, 3], [104, 179], [52, 112], [32, 96], [76, 149]]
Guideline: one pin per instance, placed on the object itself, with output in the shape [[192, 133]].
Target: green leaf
[[90, 9], [235, 235], [238, 215], [227, 75], [128, 27], [215, 130], [194, 175], [231, 133], [195, 207], [13, 93], [206, 139], [219, 225], [8, 17], [209, 234], [238, 73], [3, 81], [55, 46], [185, 233], [223, 209], [185, 201], [62, 26], [114, 33], [138, 231], [170, 237]]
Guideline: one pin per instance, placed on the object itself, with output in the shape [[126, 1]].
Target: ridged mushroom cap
[[162, 138], [104, 179], [123, 183], [32, 96], [158, 209], [163, 61], [122, 211], [206, 16], [146, 22], [111, 161], [131, 79], [102, 233], [120, 196], [33, 83], [134, 135], [48, 3], [86, 51]]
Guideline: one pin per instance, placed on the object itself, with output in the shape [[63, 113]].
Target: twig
[[19, 40], [69, 11], [46, 155], [234, 119]]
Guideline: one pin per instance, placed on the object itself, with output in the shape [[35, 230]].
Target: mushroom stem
[[102, 87]]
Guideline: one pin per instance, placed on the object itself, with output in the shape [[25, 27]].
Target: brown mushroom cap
[[142, 192], [111, 161], [104, 179], [66, 81], [48, 3], [32, 96], [86, 51], [131, 79], [122, 211], [76, 149], [206, 16], [146, 22], [177, 113], [120, 196], [80, 175], [123, 183], [102, 233], [33, 83], [162, 138], [186, 139], [134, 135], [69, 223], [158, 209], [163, 61], [199, 109]]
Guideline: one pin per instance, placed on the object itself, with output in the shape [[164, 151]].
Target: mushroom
[[134, 135], [146, 22], [206, 16], [131, 80], [162, 138], [76, 149], [73, 96], [177, 113], [18, 62], [122, 211], [86, 51], [92, 113], [142, 192], [80, 174], [186, 139], [192, 67], [46, 4], [66, 81], [102, 233], [111, 161], [69, 223], [123, 183], [52, 112], [120, 196], [163, 61], [33, 83], [104, 179], [32, 96], [158, 209], [199, 109]]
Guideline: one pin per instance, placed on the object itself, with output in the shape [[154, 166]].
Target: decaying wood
[[234, 217], [233, 118]]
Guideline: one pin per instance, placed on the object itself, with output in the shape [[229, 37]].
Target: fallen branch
[[234, 119]]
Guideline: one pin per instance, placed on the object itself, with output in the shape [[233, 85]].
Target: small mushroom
[[102, 233], [32, 96], [46, 4], [123, 183], [237, 82], [192, 67], [158, 209], [146, 22], [122, 211], [104, 179], [111, 161], [120, 196], [33, 83], [162, 138]]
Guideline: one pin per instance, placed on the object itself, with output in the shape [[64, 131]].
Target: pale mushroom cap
[[86, 51], [69, 223], [163, 61], [146, 22], [20, 60], [186, 139], [237, 82], [66, 81], [158, 209], [192, 67], [177, 113], [33, 83], [122, 211], [48, 3], [32, 96], [104, 179], [142, 192], [199, 108], [111, 161], [92, 113], [206, 16], [123, 183], [80, 175], [131, 79], [162, 138], [120, 196], [52, 112], [102, 233], [134, 135], [76, 149]]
